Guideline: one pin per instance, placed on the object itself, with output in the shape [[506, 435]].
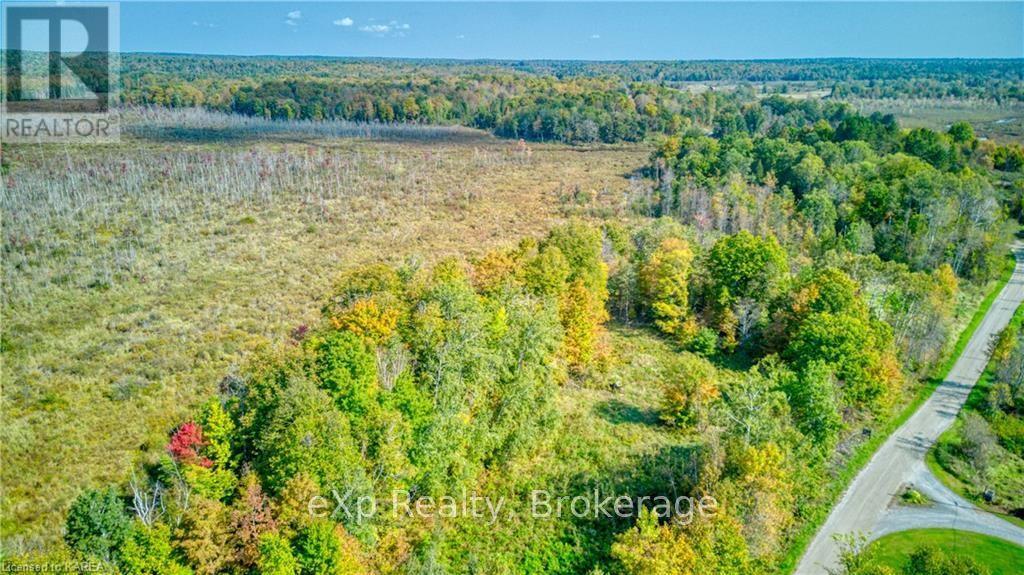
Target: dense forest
[[972, 72], [803, 261], [576, 102]]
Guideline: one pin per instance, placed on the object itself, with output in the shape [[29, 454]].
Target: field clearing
[[1000, 122], [136, 277]]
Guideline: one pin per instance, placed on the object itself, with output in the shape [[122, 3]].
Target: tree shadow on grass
[[617, 411]]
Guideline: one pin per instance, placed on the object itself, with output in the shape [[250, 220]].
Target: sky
[[578, 30]]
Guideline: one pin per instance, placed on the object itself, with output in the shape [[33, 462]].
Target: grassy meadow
[[1000, 122]]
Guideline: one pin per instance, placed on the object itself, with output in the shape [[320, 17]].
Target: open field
[[1000, 122], [1000, 557], [281, 287], [136, 277]]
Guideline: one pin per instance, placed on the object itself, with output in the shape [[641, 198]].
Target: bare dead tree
[[391, 362], [147, 499]]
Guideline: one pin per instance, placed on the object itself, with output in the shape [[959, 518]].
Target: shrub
[[1009, 429], [691, 386], [705, 343], [976, 441]]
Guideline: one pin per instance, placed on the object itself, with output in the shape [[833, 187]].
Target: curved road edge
[[865, 505]]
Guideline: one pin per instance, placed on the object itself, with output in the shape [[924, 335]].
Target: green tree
[[961, 133], [148, 551], [218, 432], [306, 433], [581, 245], [345, 368], [857, 349], [324, 549], [744, 272], [547, 273], [747, 266], [97, 524], [812, 400], [276, 556]]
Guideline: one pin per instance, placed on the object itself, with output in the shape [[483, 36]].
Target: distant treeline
[[793, 70], [567, 101]]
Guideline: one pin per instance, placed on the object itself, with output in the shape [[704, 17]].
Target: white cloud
[[291, 22], [595, 36], [295, 15], [346, 21], [460, 36], [393, 28], [199, 24]]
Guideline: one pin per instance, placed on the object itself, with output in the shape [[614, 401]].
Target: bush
[[1009, 430], [976, 441], [691, 386], [933, 561], [705, 343]]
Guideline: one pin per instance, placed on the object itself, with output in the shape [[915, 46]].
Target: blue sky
[[593, 31]]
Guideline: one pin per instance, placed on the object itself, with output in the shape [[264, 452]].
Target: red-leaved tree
[[186, 442]]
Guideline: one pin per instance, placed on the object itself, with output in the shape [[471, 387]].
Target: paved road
[[948, 510], [865, 507]]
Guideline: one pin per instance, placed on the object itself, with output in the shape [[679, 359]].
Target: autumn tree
[[665, 279], [204, 535], [652, 548], [250, 519]]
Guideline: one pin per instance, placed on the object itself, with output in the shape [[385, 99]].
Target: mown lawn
[[999, 556]]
